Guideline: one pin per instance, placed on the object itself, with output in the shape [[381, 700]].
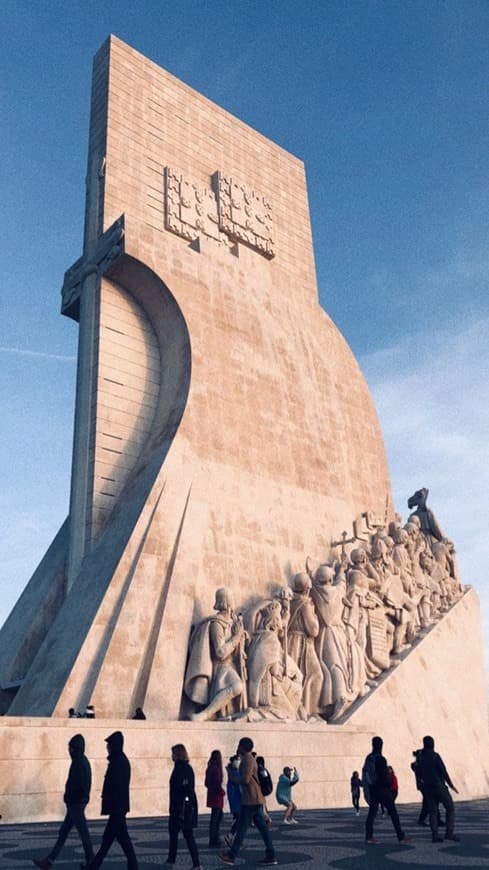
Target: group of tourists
[[380, 789], [248, 784]]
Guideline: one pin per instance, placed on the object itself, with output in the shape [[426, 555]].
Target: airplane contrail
[[37, 353]]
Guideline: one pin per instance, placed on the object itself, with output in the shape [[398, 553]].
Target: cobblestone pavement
[[323, 839]]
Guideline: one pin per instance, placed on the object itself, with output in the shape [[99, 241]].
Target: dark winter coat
[[431, 770], [381, 774], [79, 782], [115, 791], [213, 784], [183, 800]]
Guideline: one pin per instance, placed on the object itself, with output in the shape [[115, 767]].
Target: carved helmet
[[223, 599], [302, 583]]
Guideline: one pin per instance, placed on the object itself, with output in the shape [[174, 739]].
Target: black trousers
[[174, 827], [115, 829], [214, 826], [75, 816], [425, 811], [439, 794], [377, 797], [355, 799]]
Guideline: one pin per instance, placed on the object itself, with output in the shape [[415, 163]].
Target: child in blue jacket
[[284, 794]]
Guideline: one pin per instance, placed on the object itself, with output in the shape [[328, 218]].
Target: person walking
[[234, 797], [286, 780], [392, 782], [115, 804], [251, 805], [266, 785], [376, 789], [424, 811], [76, 797], [215, 796], [355, 786], [183, 806], [435, 781]]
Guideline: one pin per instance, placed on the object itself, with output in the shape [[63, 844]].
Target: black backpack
[[265, 781]]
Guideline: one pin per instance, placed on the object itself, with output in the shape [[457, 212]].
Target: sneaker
[[226, 858], [437, 839], [358, 812], [267, 862], [422, 824], [294, 822], [373, 842], [405, 839], [453, 838], [288, 822], [43, 863]]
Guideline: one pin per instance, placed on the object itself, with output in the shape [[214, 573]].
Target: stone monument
[[224, 437], [222, 425]]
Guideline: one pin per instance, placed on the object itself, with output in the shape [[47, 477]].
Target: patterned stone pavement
[[323, 839]]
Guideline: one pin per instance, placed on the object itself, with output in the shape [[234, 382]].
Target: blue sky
[[386, 103]]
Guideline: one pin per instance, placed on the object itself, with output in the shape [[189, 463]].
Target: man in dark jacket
[[376, 787], [434, 780], [115, 804], [76, 797]]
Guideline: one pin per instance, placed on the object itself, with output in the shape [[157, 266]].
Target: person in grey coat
[[76, 797]]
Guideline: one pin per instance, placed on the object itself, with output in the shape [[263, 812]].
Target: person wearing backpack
[[251, 806], [266, 785], [376, 790]]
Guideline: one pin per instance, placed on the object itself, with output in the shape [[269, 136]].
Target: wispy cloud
[[19, 351]]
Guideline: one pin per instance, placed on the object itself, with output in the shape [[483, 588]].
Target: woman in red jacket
[[392, 783], [215, 795]]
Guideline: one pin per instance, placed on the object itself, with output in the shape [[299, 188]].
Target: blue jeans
[[75, 817], [248, 814]]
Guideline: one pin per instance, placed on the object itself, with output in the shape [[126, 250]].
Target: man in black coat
[[76, 797], [435, 780], [115, 804]]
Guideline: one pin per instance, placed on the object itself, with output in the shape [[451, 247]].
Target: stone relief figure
[[314, 649], [303, 628], [428, 522], [400, 608], [340, 655], [274, 679], [216, 674]]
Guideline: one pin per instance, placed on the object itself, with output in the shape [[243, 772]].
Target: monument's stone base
[[35, 760], [439, 689]]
